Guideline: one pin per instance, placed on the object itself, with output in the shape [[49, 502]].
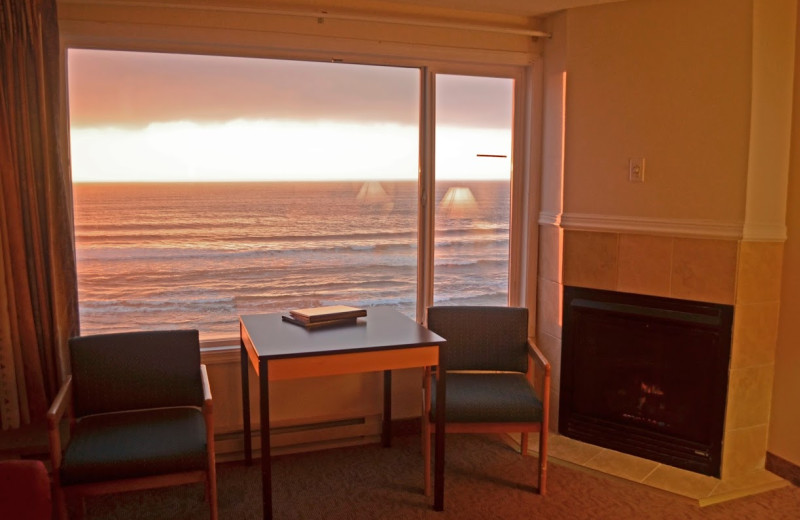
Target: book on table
[[327, 313], [319, 324]]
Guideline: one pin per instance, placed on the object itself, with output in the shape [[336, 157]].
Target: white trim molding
[[644, 225], [764, 232], [549, 218]]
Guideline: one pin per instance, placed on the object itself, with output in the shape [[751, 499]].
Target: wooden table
[[382, 341]]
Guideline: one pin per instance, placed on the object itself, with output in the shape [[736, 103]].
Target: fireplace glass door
[[646, 375]]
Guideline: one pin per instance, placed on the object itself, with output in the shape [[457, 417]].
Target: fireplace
[[646, 375]]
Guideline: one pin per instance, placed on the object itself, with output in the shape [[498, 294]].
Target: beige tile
[[548, 318], [755, 334], [550, 252], [744, 450], [752, 480], [570, 450], [533, 442], [551, 348], [704, 270], [555, 395], [681, 482], [645, 264], [590, 259], [622, 465], [760, 265], [749, 396]]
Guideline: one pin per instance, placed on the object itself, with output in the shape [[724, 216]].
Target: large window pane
[[473, 189], [209, 187]]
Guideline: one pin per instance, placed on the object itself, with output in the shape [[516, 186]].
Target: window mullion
[[427, 198]]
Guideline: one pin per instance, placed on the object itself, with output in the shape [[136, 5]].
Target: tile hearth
[[706, 490]]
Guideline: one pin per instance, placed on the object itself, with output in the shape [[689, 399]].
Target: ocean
[[198, 255]]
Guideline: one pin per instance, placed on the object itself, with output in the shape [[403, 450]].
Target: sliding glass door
[[474, 119]]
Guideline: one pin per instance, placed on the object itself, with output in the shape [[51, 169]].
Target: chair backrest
[[482, 337], [135, 370]]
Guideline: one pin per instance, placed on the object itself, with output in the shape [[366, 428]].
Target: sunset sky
[[165, 117]]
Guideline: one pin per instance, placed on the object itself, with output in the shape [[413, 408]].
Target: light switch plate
[[636, 169]]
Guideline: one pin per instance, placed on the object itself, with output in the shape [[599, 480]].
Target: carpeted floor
[[485, 479]]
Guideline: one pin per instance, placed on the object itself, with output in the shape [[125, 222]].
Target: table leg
[[386, 430], [245, 362], [438, 463], [266, 463]]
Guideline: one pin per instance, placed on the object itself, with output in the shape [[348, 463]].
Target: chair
[[491, 366], [25, 490], [140, 417]]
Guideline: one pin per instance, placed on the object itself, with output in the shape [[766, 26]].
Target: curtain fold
[[38, 287]]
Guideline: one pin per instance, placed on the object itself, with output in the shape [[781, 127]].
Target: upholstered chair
[[140, 416], [497, 380]]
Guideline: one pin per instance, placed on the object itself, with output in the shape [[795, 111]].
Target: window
[[210, 187], [473, 189]]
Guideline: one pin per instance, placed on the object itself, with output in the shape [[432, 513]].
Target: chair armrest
[[55, 414], [537, 355], [208, 417], [60, 405], [207, 401]]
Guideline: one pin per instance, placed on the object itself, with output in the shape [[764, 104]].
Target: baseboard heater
[[306, 436]]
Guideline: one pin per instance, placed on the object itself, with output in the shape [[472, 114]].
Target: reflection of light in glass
[[458, 202], [373, 194]]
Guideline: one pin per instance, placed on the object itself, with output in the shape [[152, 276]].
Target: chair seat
[[489, 398], [135, 444]]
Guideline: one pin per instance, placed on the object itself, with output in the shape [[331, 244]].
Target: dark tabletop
[[382, 328]]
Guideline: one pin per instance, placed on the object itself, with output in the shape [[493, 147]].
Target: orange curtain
[[38, 286]]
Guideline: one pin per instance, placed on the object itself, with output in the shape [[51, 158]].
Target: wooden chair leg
[[523, 443], [542, 461], [81, 507], [211, 490], [60, 501]]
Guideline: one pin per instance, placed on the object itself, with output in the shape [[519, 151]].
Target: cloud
[[134, 89]]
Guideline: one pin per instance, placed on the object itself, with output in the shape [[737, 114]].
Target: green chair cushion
[[488, 398], [135, 444]]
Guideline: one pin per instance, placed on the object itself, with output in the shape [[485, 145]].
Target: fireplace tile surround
[[694, 486], [718, 270]]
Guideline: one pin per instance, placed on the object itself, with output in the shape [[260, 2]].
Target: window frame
[[523, 230]]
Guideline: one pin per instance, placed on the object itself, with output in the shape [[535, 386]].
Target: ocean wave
[[463, 262], [149, 257], [233, 234], [188, 253], [176, 302]]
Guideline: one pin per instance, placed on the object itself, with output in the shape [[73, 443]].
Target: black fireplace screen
[[646, 375]]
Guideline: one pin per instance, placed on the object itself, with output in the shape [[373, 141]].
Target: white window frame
[[523, 230]]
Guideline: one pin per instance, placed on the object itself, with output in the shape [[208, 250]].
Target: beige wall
[[664, 80], [784, 432], [702, 91]]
